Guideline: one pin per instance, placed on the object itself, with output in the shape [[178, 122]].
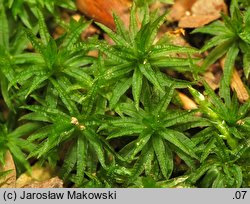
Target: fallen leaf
[[208, 7], [102, 11], [179, 9], [188, 103], [237, 84], [211, 80], [8, 181], [196, 21], [196, 13]]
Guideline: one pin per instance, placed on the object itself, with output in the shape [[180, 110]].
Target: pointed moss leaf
[[146, 35], [5, 93], [228, 71], [178, 64], [120, 28], [118, 71], [246, 64], [148, 165], [25, 75], [178, 117], [37, 44], [26, 145], [164, 50], [236, 133], [69, 161], [237, 175], [139, 164], [4, 28], [51, 97], [35, 117], [216, 53], [214, 98], [130, 110], [126, 132], [51, 113], [81, 160], [36, 83], [208, 149], [76, 60], [164, 102], [133, 25], [110, 149], [215, 28], [50, 54], [59, 133], [164, 157], [93, 139], [19, 155], [79, 75], [127, 150], [24, 130], [244, 108], [189, 161], [141, 142], [115, 37], [6, 67], [119, 90], [137, 86], [64, 96], [25, 17], [221, 149], [182, 63], [200, 122], [43, 30], [67, 85], [146, 15], [219, 182], [41, 134], [126, 123], [202, 136], [216, 41], [179, 140], [150, 74], [74, 35], [26, 58], [91, 97], [201, 171], [114, 54]]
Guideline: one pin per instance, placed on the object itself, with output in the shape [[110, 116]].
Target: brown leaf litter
[[196, 13]]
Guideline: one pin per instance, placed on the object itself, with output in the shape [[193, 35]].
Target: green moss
[[115, 120]]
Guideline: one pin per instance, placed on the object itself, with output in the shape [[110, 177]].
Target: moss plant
[[115, 120], [231, 38], [224, 142]]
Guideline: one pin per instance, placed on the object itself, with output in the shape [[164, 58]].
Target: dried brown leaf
[[208, 7], [179, 9], [202, 12], [101, 11], [237, 84], [211, 80], [197, 20], [188, 103]]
